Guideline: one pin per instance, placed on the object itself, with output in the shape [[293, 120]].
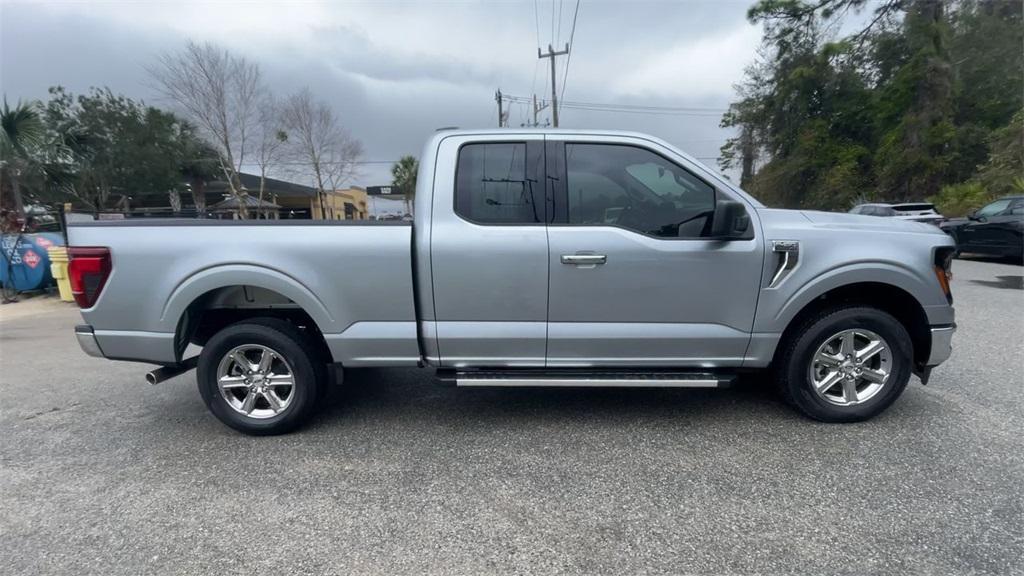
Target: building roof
[[272, 187], [250, 202]]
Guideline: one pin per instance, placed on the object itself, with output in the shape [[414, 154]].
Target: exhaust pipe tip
[[167, 372]]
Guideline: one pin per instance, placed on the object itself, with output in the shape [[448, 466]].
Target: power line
[[635, 111], [568, 57], [559, 36], [631, 108], [635, 106], [647, 107], [552, 21], [536, 20], [536, 64]]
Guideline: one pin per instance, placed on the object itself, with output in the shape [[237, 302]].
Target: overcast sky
[[396, 71]]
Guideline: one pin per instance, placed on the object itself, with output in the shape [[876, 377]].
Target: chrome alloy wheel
[[256, 381], [851, 367]]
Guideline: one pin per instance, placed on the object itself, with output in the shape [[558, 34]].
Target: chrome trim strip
[[87, 341], [790, 251], [942, 345], [464, 381]]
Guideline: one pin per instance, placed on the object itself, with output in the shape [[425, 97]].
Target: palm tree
[[403, 175], [22, 136]]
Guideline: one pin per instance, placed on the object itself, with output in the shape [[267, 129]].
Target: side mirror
[[974, 216], [730, 221]]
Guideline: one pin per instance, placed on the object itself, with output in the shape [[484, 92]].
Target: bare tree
[[220, 93], [271, 146], [320, 141], [343, 161]]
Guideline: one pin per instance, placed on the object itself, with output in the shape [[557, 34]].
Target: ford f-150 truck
[[536, 258]]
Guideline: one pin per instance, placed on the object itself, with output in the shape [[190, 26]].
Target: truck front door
[[635, 278], [489, 251]]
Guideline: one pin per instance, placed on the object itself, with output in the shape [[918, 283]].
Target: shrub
[[960, 199]]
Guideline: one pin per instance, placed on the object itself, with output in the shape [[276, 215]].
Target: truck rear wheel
[[845, 364], [260, 376]]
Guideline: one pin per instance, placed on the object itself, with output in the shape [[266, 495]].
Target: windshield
[[914, 207], [994, 208]]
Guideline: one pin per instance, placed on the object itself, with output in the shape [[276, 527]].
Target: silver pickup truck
[[537, 258]]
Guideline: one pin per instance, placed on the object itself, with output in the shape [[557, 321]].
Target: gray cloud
[[397, 71]]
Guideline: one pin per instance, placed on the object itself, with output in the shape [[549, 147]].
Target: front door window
[[636, 189]]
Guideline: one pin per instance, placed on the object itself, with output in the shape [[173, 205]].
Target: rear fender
[[209, 279]]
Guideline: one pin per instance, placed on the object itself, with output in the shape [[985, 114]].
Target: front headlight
[[943, 266]]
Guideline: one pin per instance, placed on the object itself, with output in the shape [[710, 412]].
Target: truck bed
[[353, 278]]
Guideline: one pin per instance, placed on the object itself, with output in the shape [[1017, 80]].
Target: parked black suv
[[996, 229]]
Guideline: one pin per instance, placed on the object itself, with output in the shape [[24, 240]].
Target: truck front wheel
[[259, 377], [845, 364]]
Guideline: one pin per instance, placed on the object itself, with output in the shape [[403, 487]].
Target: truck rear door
[[489, 252]]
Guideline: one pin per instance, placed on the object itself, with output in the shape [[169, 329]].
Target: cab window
[[634, 188], [492, 185]]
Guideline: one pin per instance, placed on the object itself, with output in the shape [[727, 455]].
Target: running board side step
[[600, 379]]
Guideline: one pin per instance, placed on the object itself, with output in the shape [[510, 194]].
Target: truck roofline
[[443, 133]]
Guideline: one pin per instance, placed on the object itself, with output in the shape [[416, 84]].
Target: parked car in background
[[535, 258], [917, 212], [996, 229]]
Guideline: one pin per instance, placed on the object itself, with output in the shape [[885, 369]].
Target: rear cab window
[[496, 183]]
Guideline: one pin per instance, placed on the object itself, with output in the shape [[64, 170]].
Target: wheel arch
[[890, 298], [213, 298]]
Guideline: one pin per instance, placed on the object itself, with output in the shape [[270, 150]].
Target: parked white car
[[916, 212]]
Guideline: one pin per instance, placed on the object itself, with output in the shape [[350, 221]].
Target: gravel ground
[[103, 474]]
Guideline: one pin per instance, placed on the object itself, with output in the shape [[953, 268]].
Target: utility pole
[[554, 92], [497, 96], [536, 110]]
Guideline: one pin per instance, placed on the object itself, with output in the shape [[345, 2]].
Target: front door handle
[[584, 259]]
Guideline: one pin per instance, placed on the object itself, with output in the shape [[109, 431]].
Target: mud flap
[[924, 373]]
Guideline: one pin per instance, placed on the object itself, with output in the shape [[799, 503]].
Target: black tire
[[793, 364], [297, 349]]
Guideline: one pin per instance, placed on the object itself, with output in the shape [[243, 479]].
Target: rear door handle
[[584, 259]]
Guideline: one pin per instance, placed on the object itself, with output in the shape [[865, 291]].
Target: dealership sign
[[383, 191]]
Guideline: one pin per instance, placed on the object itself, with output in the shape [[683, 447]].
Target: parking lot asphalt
[[101, 473]]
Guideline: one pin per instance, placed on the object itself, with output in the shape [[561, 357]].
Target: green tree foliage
[[200, 165], [22, 136], [33, 158], [914, 150], [909, 103], [403, 174], [123, 148], [1004, 170], [1002, 174]]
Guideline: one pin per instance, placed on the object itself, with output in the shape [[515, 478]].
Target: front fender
[[779, 306]]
